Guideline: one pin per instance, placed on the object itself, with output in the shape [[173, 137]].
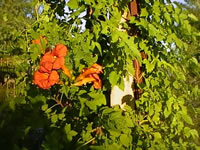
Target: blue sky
[[182, 1]]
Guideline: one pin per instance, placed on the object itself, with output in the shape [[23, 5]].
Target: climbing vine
[[75, 53]]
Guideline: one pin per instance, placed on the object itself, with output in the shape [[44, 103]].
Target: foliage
[[15, 16], [79, 117], [192, 7]]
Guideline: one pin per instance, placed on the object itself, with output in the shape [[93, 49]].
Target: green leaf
[[67, 128], [69, 133], [144, 12], [48, 110], [187, 118], [120, 84], [73, 133], [151, 110], [194, 133], [35, 51], [180, 127], [176, 85], [130, 68], [113, 146], [169, 103], [114, 133], [193, 17], [125, 140], [187, 131], [166, 82], [157, 135], [183, 16], [82, 101], [5, 18], [113, 78], [115, 37], [44, 107], [38, 99], [61, 116], [132, 49], [188, 26], [98, 47], [143, 45], [73, 4], [172, 37], [152, 30], [129, 122], [74, 89], [107, 110], [156, 117], [150, 66], [98, 100], [26, 130], [94, 147], [54, 118], [20, 100], [156, 7], [167, 112], [168, 18]]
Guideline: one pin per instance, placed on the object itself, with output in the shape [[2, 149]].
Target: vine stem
[[36, 11], [86, 143], [52, 106], [59, 101]]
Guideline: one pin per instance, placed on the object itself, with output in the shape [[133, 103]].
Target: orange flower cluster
[[53, 60], [90, 75], [47, 75]]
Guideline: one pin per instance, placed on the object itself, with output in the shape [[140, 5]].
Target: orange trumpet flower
[[84, 81], [46, 67], [91, 78], [90, 75], [53, 78], [60, 50], [41, 79], [66, 71], [48, 56], [46, 63], [58, 63], [94, 69], [45, 80], [97, 82]]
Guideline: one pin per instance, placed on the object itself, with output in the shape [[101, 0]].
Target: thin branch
[[86, 143]]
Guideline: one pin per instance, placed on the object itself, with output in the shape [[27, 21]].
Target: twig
[[86, 143], [52, 106]]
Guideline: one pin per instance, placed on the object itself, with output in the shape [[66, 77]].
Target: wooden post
[[134, 9]]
